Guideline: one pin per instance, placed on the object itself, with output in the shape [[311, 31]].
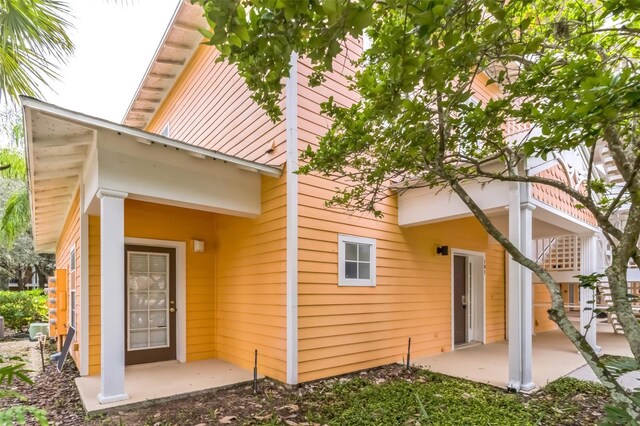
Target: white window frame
[[72, 287], [356, 282]]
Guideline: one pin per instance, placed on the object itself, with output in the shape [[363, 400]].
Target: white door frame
[[181, 288], [477, 326]]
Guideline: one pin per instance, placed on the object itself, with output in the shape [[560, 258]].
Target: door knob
[[172, 309]]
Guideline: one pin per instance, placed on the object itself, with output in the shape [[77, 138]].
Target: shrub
[[21, 308]]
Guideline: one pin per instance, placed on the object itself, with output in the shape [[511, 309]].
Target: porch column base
[[528, 387], [112, 398]]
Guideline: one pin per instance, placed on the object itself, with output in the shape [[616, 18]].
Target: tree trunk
[[557, 312]]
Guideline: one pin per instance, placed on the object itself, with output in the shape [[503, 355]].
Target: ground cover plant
[[389, 395]]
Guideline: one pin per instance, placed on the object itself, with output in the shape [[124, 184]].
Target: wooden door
[[459, 299], [150, 304]]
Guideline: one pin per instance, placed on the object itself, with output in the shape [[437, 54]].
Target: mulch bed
[[54, 392]]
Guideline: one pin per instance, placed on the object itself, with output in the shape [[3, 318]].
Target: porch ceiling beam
[[153, 89], [50, 235], [51, 209], [185, 26], [43, 228], [52, 193], [177, 45], [69, 183], [56, 142], [170, 62], [53, 200], [55, 174], [162, 75], [142, 110], [60, 159]]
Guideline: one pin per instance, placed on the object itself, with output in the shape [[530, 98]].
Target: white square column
[[520, 326], [588, 265], [112, 309]]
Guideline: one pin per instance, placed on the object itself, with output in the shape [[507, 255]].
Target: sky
[[115, 41]]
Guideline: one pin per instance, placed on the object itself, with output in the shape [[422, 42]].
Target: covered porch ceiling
[[422, 206], [69, 152]]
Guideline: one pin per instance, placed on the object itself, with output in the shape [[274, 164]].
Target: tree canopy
[[565, 70]]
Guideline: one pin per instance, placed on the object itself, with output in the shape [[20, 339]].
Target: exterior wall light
[[198, 246], [442, 250]]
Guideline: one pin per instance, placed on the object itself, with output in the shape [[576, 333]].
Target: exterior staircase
[[605, 301]]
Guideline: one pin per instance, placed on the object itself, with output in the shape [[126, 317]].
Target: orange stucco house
[[191, 238]]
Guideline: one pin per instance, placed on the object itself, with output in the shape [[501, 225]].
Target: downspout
[[291, 122]]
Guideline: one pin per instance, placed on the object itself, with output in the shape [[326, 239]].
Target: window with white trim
[[356, 261], [72, 287]]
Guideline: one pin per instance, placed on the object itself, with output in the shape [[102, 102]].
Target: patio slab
[[553, 357], [163, 381]]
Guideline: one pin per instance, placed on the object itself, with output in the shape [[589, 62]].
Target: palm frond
[[17, 216], [33, 41], [12, 164]]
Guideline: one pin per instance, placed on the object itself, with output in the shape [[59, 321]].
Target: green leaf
[[330, 7]]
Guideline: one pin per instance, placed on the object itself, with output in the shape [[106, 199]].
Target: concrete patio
[[553, 357], [164, 381]]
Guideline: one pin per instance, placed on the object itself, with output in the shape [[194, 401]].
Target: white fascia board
[[561, 219], [90, 177], [155, 57], [99, 123], [420, 206], [152, 172], [29, 157]]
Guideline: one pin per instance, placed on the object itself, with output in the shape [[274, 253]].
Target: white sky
[[115, 41]]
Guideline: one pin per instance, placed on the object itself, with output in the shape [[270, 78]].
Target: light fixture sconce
[[442, 250], [198, 246]]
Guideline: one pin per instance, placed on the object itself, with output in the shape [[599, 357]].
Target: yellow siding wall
[[251, 311], [211, 106], [69, 237], [156, 221], [343, 329], [541, 303], [235, 289]]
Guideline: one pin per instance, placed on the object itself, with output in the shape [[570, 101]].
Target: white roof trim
[[94, 122], [183, 21]]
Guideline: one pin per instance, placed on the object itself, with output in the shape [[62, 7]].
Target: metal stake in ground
[[409, 355], [41, 339], [255, 373]]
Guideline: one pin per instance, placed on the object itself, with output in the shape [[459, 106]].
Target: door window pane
[[148, 307], [138, 339]]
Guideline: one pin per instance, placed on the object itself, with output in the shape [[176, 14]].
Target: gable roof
[[58, 145], [178, 44]]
